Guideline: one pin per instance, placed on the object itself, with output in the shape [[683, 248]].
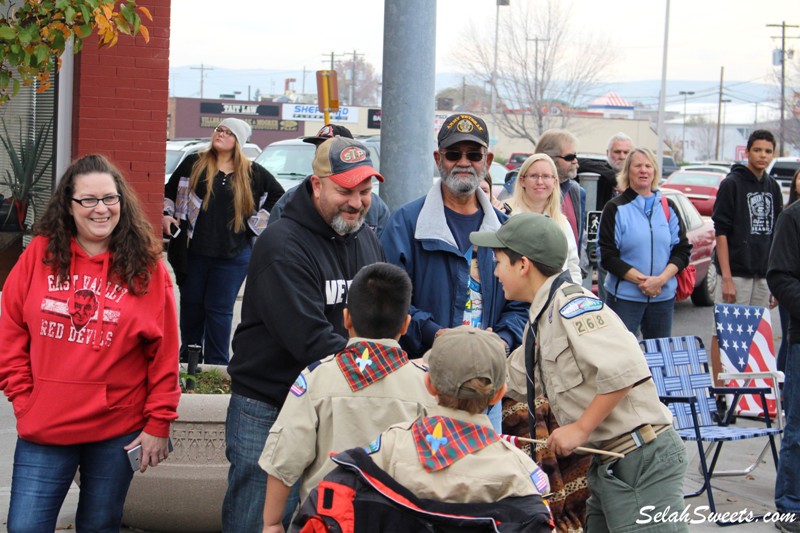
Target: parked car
[[700, 232], [783, 169], [290, 161], [179, 149], [700, 187], [668, 166], [516, 159], [715, 167]]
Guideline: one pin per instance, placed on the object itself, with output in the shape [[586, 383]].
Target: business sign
[[232, 108], [374, 119], [264, 124], [312, 112]]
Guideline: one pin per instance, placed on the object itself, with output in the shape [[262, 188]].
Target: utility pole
[[719, 109], [783, 27], [353, 78], [202, 68], [332, 56], [725, 101], [685, 94], [493, 98]]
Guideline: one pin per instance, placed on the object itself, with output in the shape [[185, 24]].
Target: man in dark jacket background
[[783, 277], [296, 289], [748, 204]]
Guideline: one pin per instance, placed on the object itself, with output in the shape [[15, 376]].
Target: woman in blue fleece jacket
[[643, 246]]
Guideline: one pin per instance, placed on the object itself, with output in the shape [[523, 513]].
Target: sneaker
[[789, 526]]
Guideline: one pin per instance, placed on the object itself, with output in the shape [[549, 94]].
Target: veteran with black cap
[[579, 354], [429, 238]]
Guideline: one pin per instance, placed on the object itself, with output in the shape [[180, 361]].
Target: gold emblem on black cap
[[464, 126]]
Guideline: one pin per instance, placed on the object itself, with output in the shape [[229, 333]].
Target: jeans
[[246, 429], [787, 482], [43, 474], [654, 318], [207, 298], [780, 360]]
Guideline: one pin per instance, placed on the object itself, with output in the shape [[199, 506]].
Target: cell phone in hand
[[176, 230], [135, 455]]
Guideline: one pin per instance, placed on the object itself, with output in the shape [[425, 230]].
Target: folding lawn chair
[[680, 370]]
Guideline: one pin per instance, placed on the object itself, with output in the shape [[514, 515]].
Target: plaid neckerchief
[[441, 441], [364, 363]]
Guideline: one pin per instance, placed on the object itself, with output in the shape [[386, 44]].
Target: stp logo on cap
[[353, 154]]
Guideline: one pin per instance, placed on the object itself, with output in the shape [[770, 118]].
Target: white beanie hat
[[240, 129]]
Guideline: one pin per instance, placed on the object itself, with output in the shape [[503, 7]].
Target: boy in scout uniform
[[579, 354], [453, 454], [349, 397]]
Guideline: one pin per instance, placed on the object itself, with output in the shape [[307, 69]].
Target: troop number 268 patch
[[589, 323]]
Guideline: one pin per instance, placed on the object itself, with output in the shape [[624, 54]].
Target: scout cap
[[535, 236], [326, 132], [345, 161], [463, 127], [463, 353]]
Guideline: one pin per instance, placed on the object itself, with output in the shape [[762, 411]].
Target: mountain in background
[[252, 83]]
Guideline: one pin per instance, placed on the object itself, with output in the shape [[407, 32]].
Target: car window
[[173, 159], [688, 213], [518, 158], [251, 152], [287, 160], [784, 170], [695, 178]]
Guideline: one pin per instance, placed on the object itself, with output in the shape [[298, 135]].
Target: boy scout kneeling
[[582, 358], [349, 397]]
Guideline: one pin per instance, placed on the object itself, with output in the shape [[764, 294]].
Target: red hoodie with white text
[[85, 360]]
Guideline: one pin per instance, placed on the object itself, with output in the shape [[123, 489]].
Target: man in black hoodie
[[748, 204], [295, 292]]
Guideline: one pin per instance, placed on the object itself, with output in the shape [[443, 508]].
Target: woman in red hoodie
[[89, 354]]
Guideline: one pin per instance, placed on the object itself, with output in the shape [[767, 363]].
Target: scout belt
[[634, 440]]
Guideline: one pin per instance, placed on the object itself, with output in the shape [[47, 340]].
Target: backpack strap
[[665, 207]]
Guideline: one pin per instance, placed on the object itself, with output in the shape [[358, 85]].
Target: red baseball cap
[[345, 161]]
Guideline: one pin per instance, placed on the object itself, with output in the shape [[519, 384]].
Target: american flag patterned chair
[[680, 370]]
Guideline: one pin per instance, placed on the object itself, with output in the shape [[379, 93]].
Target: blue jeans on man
[[247, 427], [207, 298], [653, 318], [787, 482], [43, 474]]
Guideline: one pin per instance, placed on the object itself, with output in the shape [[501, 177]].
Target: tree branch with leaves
[[35, 33]]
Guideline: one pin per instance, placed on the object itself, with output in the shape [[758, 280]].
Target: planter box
[[184, 494]]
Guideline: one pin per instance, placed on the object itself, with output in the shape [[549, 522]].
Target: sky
[[704, 35]]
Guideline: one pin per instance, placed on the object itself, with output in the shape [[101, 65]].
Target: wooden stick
[[579, 448]]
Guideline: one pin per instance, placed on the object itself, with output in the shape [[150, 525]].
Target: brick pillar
[[120, 106]]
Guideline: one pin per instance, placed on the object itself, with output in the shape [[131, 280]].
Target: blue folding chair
[[680, 370]]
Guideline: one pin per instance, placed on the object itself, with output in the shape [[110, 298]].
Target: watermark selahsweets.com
[[702, 514]]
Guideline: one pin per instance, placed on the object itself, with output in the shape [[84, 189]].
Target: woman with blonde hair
[[643, 246], [215, 203], [536, 191]]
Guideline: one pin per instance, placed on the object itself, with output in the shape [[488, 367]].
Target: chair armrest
[[740, 390], [777, 375], [678, 399]]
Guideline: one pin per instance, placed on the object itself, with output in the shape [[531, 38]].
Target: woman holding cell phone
[[89, 354]]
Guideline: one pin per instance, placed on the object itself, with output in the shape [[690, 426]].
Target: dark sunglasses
[[455, 155], [569, 158]]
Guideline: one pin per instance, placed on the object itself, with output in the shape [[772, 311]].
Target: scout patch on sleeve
[[579, 306], [540, 481], [299, 387], [373, 446], [590, 323]]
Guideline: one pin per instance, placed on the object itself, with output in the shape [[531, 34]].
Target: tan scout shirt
[[329, 417], [586, 350], [498, 471]]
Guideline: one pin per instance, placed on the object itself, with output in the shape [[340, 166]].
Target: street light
[[685, 94], [493, 101]]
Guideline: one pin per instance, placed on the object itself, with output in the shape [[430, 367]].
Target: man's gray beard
[[343, 227], [568, 176], [458, 186]]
